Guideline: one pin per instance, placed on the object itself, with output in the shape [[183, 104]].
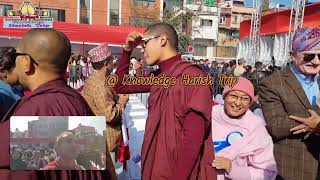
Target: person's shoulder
[[51, 104], [193, 69], [274, 78], [257, 122], [94, 80], [217, 108]]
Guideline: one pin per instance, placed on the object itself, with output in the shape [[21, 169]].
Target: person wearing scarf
[[243, 147]]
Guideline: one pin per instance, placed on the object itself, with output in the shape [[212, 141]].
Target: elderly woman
[[243, 147], [7, 77]]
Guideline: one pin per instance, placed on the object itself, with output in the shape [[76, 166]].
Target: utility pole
[[297, 15], [254, 32]]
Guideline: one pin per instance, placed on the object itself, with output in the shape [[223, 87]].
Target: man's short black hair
[[167, 29], [232, 63], [7, 58], [99, 65], [258, 64]]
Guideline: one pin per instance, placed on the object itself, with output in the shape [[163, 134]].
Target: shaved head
[[167, 29], [50, 48]]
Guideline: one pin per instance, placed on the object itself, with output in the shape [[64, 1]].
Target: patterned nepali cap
[[99, 53], [306, 39]]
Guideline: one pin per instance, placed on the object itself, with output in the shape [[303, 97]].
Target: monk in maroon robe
[[41, 61], [177, 142]]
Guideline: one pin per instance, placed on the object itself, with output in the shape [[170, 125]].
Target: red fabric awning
[[278, 22], [82, 32]]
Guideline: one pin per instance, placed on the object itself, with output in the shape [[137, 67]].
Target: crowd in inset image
[[265, 127], [64, 154], [31, 157]]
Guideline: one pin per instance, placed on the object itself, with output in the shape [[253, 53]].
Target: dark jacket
[[281, 95]]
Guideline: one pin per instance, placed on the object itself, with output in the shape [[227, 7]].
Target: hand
[[308, 124], [223, 163], [133, 40], [123, 98]]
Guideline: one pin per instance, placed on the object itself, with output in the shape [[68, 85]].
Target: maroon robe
[[54, 98], [170, 110]]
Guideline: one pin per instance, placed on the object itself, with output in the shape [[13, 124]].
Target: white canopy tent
[[270, 46]]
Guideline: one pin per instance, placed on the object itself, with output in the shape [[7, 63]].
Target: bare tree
[[179, 19]]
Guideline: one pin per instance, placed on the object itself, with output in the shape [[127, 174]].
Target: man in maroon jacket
[[41, 61], [177, 144]]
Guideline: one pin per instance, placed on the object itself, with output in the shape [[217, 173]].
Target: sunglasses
[[15, 55], [146, 40], [310, 57]]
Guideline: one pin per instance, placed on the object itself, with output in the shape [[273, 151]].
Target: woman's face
[[9, 76], [236, 103]]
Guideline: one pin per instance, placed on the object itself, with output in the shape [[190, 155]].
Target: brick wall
[[99, 11]]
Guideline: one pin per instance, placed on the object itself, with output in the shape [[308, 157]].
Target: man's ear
[[164, 40], [27, 65], [294, 56]]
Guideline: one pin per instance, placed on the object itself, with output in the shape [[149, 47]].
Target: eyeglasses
[[244, 99], [310, 57], [15, 55], [25, 54], [146, 40]]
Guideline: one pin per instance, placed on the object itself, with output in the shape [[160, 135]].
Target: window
[[85, 11], [234, 19], [228, 34], [56, 14], [200, 50], [147, 2], [206, 22], [209, 2], [222, 20], [114, 12], [4, 9]]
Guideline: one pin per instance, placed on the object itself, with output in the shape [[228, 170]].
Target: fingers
[[134, 36], [133, 40], [219, 164], [298, 128], [297, 118], [300, 131]]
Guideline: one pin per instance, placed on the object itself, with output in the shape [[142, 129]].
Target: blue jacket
[[7, 98]]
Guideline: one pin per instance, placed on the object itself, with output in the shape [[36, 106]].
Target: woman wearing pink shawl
[[243, 147]]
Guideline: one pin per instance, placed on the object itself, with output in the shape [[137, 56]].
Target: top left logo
[[28, 16]]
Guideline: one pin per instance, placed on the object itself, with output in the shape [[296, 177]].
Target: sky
[[285, 2], [21, 122]]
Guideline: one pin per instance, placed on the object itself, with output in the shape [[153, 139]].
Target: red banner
[[278, 22]]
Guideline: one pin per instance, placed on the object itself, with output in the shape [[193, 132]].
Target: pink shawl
[[256, 144]]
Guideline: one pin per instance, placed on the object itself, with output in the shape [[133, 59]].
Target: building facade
[[232, 13], [204, 30], [107, 12], [82, 130], [47, 127]]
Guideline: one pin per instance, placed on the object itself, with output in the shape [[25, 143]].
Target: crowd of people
[[31, 157], [64, 153], [266, 126]]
